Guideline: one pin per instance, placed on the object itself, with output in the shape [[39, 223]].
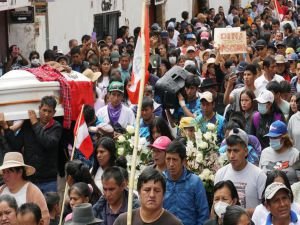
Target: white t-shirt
[[260, 213], [126, 117], [249, 182], [293, 129], [98, 180], [20, 196], [261, 82], [271, 160]]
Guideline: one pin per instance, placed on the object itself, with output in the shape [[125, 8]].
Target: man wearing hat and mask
[[278, 202], [117, 114]]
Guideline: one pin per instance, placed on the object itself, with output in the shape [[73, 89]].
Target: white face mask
[[35, 62], [172, 60], [220, 208]]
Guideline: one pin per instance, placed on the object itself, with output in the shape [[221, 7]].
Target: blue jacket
[[186, 198]]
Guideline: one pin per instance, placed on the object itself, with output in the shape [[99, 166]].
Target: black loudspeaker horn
[[167, 87]]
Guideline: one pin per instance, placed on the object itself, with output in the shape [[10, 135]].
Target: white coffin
[[21, 91]]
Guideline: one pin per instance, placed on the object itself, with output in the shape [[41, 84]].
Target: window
[[106, 23]]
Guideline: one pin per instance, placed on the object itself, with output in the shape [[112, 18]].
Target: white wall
[[23, 36], [174, 8], [68, 21], [72, 21]]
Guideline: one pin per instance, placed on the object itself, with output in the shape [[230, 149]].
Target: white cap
[[190, 48], [265, 96], [211, 61], [273, 188], [207, 96]]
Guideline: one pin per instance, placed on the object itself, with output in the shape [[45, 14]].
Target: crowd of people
[[252, 99]]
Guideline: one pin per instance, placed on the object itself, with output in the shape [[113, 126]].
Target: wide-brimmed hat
[[15, 159], [83, 215], [93, 76], [208, 82]]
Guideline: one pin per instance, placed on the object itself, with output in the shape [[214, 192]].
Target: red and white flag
[[139, 51], [279, 10], [83, 140]]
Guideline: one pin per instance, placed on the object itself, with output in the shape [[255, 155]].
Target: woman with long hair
[[105, 156], [103, 80], [76, 172], [159, 127], [248, 107], [78, 193]]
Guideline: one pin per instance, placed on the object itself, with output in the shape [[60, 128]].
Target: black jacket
[[39, 146]]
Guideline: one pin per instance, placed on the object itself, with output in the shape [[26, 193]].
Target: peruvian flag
[[140, 51], [279, 10], [83, 141]]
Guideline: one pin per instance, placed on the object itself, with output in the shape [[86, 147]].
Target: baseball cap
[[241, 67], [211, 61], [187, 122], [289, 51], [207, 96], [239, 133], [292, 57], [190, 48], [260, 43], [204, 35], [171, 26], [273, 188], [116, 86], [265, 96], [279, 59], [280, 43], [277, 129], [161, 143], [115, 56], [190, 36], [164, 34]]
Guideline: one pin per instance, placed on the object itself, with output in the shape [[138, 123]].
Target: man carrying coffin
[[38, 140]]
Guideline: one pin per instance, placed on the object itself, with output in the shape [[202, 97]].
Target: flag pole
[[137, 121], [72, 156]]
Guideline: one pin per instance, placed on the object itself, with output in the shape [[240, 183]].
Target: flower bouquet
[[125, 144], [203, 157]]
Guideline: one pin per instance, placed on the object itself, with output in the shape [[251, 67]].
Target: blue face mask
[[275, 144], [262, 108]]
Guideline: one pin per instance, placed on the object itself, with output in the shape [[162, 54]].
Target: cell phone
[[94, 37]]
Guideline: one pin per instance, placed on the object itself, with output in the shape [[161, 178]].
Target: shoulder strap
[[256, 120]]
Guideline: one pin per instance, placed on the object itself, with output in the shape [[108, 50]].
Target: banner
[[230, 40]]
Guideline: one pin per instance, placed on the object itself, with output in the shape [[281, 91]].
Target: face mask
[[172, 60], [220, 208], [275, 144], [262, 108], [35, 62]]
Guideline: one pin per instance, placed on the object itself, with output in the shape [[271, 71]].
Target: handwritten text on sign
[[232, 42]]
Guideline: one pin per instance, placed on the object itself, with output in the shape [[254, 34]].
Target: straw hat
[[15, 159], [93, 76]]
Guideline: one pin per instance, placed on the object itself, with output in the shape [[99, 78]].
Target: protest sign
[[230, 40]]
